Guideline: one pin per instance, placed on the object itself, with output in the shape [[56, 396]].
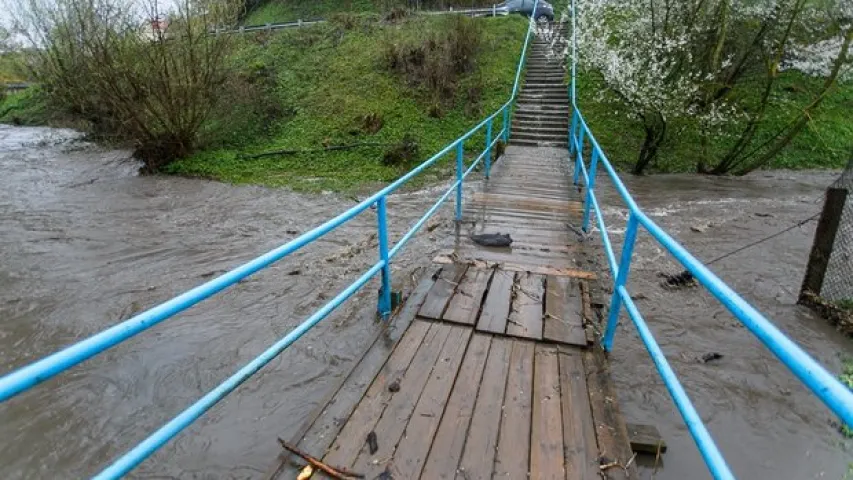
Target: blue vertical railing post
[[384, 294], [621, 278], [506, 123], [460, 169], [573, 128], [488, 147], [579, 153], [587, 204]]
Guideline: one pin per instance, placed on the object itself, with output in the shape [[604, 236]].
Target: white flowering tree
[[673, 60]]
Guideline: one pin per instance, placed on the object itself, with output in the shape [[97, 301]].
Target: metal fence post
[[506, 123], [384, 308], [579, 154], [587, 204], [460, 167], [488, 147], [621, 278]]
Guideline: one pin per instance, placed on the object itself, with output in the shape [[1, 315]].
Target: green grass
[[846, 304], [328, 77], [846, 378], [824, 143], [23, 108], [11, 70], [288, 10]]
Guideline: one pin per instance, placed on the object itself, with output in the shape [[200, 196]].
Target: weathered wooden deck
[[491, 368]]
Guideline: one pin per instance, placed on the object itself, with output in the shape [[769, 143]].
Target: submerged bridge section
[[495, 365]]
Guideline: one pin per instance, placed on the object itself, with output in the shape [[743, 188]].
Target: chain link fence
[[837, 282]]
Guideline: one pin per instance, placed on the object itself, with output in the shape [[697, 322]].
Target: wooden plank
[[513, 457], [525, 316], [445, 258], [645, 439], [579, 443], [447, 446], [389, 428], [610, 430], [590, 320], [563, 312], [352, 436], [479, 456], [465, 304], [546, 445], [412, 450], [323, 425], [496, 306], [441, 291]]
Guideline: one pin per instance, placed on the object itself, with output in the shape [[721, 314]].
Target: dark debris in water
[[492, 240], [684, 279]]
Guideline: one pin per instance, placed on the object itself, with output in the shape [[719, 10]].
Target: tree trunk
[[655, 135]]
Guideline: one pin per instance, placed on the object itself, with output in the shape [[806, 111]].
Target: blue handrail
[[30, 375], [832, 392]]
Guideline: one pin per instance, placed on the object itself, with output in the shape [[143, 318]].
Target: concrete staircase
[[542, 112]]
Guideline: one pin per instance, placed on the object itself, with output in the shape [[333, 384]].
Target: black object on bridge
[[492, 240]]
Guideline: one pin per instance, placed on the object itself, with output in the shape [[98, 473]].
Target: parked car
[[544, 10]]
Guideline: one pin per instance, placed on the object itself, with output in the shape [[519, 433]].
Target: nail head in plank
[[496, 306], [441, 291], [465, 304], [513, 458], [410, 455], [389, 428], [645, 439], [546, 445], [563, 312], [450, 439], [579, 442], [479, 456], [349, 441], [525, 316]]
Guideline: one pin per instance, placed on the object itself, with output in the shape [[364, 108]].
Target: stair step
[[551, 132], [523, 142], [559, 101]]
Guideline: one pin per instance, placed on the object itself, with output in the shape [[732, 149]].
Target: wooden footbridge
[[491, 368], [494, 365]]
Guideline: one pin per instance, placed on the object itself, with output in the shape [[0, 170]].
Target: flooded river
[[768, 425], [85, 242]]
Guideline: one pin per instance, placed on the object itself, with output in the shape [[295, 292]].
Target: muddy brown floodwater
[[85, 242], [767, 424]]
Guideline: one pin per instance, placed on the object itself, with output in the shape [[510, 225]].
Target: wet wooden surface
[[491, 369]]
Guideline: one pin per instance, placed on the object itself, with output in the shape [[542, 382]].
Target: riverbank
[[337, 114]]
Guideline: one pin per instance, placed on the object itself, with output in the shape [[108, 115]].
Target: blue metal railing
[[825, 386], [27, 377]]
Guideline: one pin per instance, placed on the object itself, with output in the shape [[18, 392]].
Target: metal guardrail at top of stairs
[[492, 11], [823, 384], [21, 380]]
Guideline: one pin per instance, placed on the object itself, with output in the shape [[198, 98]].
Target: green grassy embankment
[[330, 79]]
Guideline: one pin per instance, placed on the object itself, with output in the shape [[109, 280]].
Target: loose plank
[[448, 257], [563, 312], [546, 445], [479, 456], [465, 304], [525, 317], [513, 458], [396, 415], [412, 450], [496, 307], [351, 438], [579, 443], [610, 428], [441, 291], [447, 446], [645, 439]]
